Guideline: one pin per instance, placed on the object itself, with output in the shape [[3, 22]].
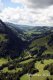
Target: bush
[[51, 73], [49, 68], [46, 67], [47, 78], [33, 71], [10, 67], [1, 67], [42, 62], [5, 65]]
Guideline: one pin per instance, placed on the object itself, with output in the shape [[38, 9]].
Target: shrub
[[10, 67], [33, 71], [42, 62], [46, 67], [1, 67], [49, 68], [5, 65], [47, 78]]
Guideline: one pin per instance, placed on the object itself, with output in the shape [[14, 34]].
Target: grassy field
[[48, 51], [33, 32], [41, 66], [40, 42], [41, 78], [25, 77], [3, 61]]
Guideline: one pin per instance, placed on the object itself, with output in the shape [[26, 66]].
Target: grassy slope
[[25, 77], [41, 42], [3, 61], [42, 74], [40, 66]]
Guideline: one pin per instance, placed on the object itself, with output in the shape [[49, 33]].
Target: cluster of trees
[[9, 76], [49, 67], [38, 51], [47, 56], [11, 64], [26, 68], [3, 47], [3, 66], [30, 68], [49, 78]]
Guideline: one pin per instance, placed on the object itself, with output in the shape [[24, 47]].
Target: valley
[[25, 52]]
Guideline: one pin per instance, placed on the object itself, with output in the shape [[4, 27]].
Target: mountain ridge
[[14, 40]]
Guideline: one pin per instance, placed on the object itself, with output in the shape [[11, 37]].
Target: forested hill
[[10, 43]]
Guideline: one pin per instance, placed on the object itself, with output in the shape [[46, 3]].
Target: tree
[[47, 78]]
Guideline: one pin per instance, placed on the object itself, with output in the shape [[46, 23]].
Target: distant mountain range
[[29, 32]]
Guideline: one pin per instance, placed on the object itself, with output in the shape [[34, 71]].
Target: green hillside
[[36, 44]]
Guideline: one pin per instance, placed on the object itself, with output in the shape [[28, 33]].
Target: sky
[[27, 12]]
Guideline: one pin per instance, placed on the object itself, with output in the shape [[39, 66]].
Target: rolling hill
[[42, 45]]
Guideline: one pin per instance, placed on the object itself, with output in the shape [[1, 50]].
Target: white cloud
[[16, 15], [28, 16], [18, 1]]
